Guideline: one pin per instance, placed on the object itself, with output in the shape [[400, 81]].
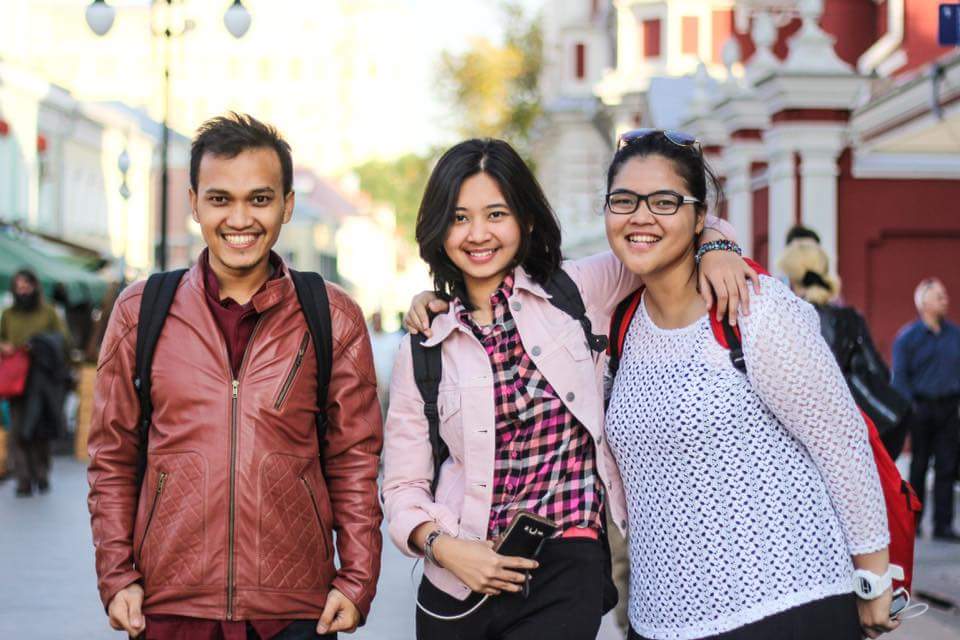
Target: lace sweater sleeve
[[793, 371]]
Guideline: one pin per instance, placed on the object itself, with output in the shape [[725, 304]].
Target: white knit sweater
[[747, 494]]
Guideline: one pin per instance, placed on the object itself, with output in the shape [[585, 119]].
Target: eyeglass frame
[[682, 200], [678, 138]]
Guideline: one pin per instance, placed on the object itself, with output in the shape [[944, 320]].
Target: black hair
[[26, 274], [539, 252], [798, 231], [234, 133], [688, 161]]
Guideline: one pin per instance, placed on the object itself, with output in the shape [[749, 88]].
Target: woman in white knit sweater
[[752, 498]]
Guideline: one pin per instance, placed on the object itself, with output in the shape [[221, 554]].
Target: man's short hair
[[230, 135], [799, 231], [922, 289]]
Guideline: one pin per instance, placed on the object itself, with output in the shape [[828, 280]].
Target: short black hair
[[798, 231], [27, 274], [539, 252], [230, 135]]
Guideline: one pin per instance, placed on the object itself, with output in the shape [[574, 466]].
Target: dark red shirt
[[236, 322]]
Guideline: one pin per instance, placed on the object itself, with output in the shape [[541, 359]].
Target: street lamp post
[[99, 16]]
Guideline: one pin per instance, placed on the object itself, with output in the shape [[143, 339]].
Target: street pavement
[[48, 586]]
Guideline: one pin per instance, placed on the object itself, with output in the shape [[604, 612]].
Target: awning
[[76, 284]]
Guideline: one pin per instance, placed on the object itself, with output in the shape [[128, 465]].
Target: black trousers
[[297, 630], [833, 618], [31, 461], [935, 431], [565, 601]]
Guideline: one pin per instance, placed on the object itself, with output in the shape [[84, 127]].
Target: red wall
[[892, 234], [761, 225], [920, 33]]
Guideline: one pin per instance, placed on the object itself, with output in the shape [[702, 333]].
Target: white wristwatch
[[869, 586]]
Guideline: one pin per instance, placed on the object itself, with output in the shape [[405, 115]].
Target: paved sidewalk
[[48, 586]]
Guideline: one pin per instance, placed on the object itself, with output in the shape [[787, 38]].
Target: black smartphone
[[525, 535], [899, 602]]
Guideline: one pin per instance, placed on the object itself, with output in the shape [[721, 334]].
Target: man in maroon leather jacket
[[230, 534]]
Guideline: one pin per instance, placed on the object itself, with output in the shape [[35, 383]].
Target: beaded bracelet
[[718, 245]]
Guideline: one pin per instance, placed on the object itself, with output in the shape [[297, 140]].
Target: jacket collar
[[445, 324], [277, 289]]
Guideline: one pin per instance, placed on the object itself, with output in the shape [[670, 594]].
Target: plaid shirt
[[545, 459]]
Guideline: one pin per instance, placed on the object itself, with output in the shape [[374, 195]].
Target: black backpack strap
[[312, 294], [565, 295], [619, 324], [734, 344], [154, 305], [427, 372]]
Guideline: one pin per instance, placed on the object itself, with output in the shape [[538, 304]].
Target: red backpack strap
[[729, 337], [619, 325]]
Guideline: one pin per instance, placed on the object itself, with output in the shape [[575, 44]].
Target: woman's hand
[[725, 274], [875, 617], [417, 318], [481, 568]]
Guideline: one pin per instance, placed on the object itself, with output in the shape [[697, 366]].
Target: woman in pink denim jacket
[[521, 408]]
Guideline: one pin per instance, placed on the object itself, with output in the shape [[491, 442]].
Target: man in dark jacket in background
[[37, 416], [926, 368]]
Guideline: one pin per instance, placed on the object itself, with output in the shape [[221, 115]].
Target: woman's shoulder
[[774, 302]]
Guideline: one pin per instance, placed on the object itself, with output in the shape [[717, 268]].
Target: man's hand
[[124, 611], [339, 614]]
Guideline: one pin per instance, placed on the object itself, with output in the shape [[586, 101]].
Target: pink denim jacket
[[556, 343]]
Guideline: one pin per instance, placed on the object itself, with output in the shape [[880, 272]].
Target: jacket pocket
[[153, 510], [325, 549], [292, 374], [451, 421], [293, 547], [171, 551]]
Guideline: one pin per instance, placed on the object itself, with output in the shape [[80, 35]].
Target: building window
[[690, 36], [580, 55], [651, 38], [722, 29]]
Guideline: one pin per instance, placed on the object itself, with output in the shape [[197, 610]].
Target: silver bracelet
[[428, 546]]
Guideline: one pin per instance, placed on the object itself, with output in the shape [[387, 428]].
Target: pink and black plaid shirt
[[545, 459]]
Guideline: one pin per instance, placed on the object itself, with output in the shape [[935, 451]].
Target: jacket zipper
[[293, 372], [316, 511], [153, 509], [234, 401]]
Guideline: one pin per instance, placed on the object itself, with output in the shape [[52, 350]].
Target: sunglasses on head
[[678, 138]]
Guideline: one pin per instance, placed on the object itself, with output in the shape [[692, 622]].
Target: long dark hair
[[539, 252], [688, 161]]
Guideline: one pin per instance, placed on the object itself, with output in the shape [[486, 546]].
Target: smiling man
[[228, 533]]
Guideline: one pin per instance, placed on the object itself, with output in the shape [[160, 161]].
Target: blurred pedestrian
[[807, 268], [252, 464], [37, 416], [926, 368], [385, 345]]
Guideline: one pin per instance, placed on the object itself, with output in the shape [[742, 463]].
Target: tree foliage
[[399, 182], [494, 86]]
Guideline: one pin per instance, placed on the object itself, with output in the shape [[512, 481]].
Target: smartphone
[[899, 602], [525, 535]]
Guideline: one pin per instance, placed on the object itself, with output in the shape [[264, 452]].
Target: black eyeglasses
[[678, 138], [661, 203]]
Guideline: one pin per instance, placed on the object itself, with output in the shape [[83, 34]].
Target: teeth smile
[[239, 240], [638, 238], [482, 254]]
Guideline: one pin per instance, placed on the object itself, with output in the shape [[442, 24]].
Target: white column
[[783, 194], [818, 175], [739, 196]]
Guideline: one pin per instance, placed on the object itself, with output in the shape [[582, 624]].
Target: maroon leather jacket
[[235, 517]]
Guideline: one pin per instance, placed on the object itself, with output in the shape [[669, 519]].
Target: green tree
[[399, 182], [494, 86]]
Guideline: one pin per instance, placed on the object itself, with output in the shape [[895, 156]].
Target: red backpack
[[903, 506]]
